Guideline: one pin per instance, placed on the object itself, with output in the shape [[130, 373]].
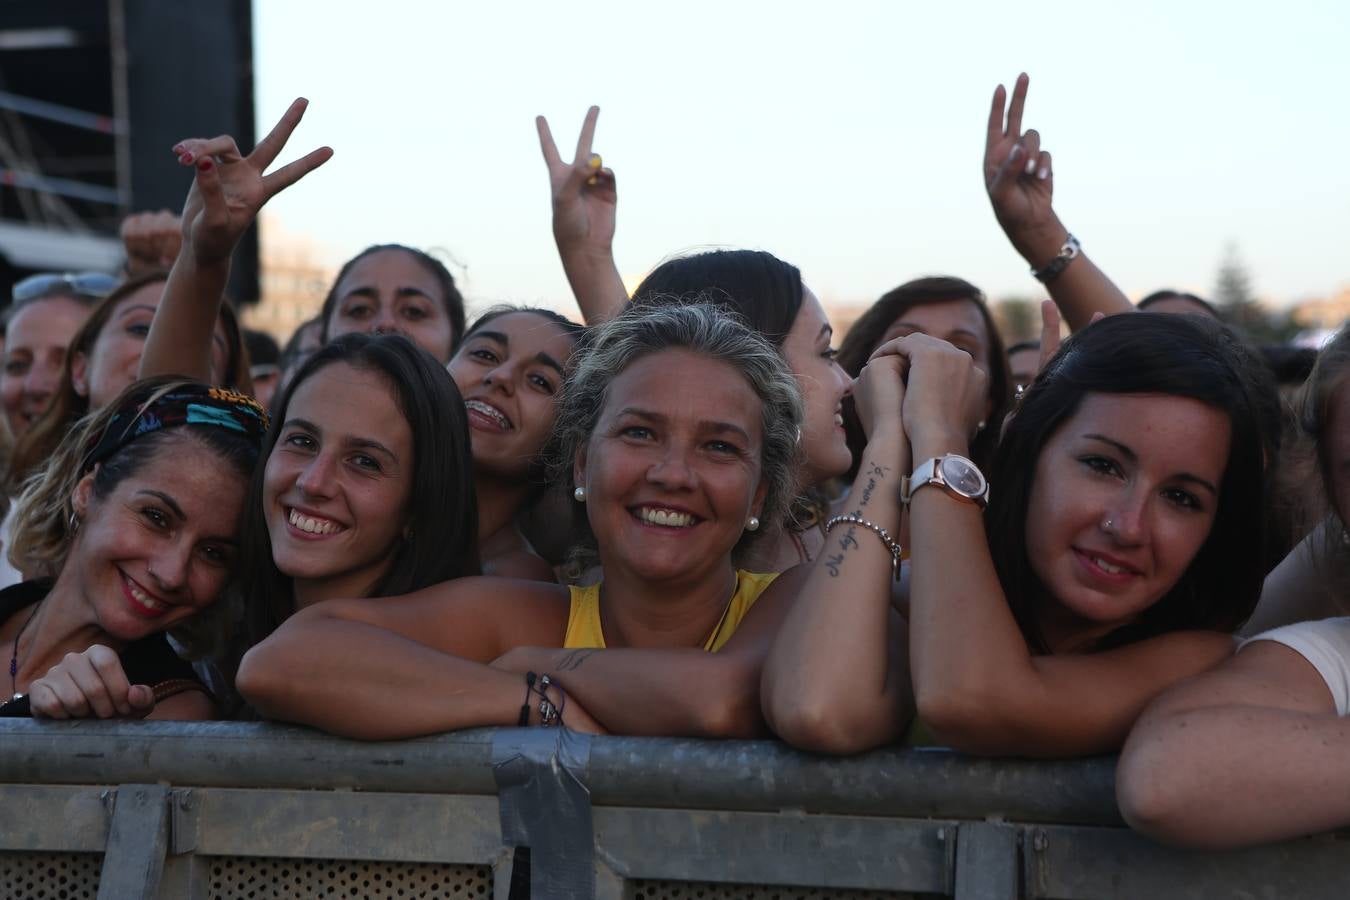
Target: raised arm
[[584, 203], [397, 667], [152, 241], [1249, 753], [978, 687], [227, 191], [837, 678], [1020, 180]]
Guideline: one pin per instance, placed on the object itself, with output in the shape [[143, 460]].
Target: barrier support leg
[[138, 840], [986, 862]]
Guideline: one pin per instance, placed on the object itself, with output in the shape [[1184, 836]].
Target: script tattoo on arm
[[575, 659], [875, 474]]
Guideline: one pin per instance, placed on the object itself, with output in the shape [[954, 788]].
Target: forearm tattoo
[[574, 659], [847, 541]]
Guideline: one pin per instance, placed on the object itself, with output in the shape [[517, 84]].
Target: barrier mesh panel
[[49, 876], [701, 890], [248, 878]]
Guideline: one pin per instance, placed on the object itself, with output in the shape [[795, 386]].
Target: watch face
[[962, 475]]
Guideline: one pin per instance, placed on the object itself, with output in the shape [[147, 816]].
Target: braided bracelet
[[525, 707], [891, 545]]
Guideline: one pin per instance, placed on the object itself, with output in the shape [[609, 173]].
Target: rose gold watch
[[953, 473]]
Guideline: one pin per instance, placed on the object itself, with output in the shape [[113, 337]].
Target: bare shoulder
[[483, 606], [1264, 674], [519, 564]]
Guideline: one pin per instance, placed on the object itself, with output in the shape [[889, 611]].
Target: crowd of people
[[690, 516]]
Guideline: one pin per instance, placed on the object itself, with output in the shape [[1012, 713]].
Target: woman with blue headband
[[132, 528]]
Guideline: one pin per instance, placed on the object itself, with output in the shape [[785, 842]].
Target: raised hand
[[152, 240], [584, 192], [230, 188], [879, 393], [89, 684], [946, 395], [1017, 173]]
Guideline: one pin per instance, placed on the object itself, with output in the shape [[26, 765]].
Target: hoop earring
[[579, 494], [74, 522]]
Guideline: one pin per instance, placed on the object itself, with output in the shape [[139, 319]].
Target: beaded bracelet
[[891, 545]]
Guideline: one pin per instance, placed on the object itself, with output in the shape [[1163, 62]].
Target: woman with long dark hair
[[1122, 544]]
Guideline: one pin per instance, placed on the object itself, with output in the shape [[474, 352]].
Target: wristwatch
[[953, 473]]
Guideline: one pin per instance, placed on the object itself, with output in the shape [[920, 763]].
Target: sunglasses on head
[[95, 285]]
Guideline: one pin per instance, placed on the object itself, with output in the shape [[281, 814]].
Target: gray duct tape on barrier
[[546, 806]]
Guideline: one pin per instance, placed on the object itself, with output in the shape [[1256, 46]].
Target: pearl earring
[[579, 494], [752, 523]]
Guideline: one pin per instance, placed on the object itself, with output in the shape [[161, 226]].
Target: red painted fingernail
[[205, 165], [185, 158]]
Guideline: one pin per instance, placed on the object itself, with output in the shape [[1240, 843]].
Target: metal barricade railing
[[233, 810]]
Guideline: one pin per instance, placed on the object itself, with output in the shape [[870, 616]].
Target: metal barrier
[[229, 810]]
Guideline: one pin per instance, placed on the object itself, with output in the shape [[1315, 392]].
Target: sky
[[844, 137]]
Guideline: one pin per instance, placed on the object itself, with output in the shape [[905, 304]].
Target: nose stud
[[1109, 526]]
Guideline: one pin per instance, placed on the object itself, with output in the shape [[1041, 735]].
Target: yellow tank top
[[583, 621]]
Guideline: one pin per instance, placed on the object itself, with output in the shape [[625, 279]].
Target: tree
[[1238, 305]]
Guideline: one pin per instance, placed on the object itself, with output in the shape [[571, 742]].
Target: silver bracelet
[[1067, 254], [891, 545]]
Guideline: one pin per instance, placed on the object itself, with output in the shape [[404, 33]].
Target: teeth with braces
[[490, 411], [312, 525], [667, 518]]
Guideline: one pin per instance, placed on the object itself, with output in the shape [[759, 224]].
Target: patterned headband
[[189, 403]]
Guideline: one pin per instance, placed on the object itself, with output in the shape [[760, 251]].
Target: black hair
[[442, 525], [1180, 356], [452, 298], [866, 335], [764, 291], [1170, 294]]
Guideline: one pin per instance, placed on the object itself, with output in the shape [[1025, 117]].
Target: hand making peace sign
[[584, 192], [230, 188], [1017, 172]]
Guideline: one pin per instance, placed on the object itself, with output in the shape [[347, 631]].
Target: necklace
[[14, 656]]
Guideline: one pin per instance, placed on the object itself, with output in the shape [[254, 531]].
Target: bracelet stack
[[550, 714], [890, 542]]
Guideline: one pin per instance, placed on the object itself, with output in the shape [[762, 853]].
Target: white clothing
[[1326, 645]]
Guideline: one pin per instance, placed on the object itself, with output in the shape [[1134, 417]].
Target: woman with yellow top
[[678, 434]]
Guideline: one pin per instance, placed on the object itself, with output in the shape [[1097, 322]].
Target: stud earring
[[752, 523], [579, 494]]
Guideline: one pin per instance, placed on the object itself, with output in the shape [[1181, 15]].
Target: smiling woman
[[366, 490], [510, 369], [134, 527], [1117, 564], [677, 432]]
